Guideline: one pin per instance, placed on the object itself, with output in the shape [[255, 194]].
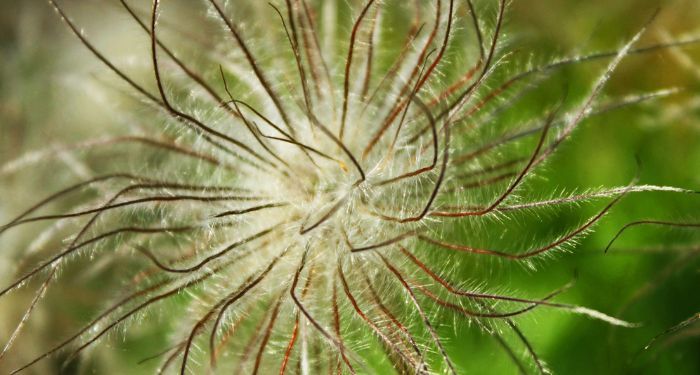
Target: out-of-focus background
[[652, 276]]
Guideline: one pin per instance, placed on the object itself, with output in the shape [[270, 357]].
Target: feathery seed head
[[286, 187]]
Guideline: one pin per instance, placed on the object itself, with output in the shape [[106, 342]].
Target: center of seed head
[[316, 194]]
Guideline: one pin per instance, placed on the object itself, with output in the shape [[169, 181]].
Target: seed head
[[292, 196]]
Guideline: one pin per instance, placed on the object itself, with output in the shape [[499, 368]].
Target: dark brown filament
[[335, 341], [649, 222], [387, 341], [422, 313], [254, 65], [224, 304], [513, 185], [348, 65], [530, 253]]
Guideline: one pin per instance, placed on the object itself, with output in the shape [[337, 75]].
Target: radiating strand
[[368, 321], [337, 326], [72, 249], [521, 176], [547, 68], [509, 138], [313, 43], [424, 317], [290, 345], [348, 65], [197, 78], [211, 257], [158, 199], [247, 123], [179, 114], [406, 89], [486, 69], [529, 253], [215, 349], [268, 333], [369, 66], [66, 191], [435, 145], [164, 144], [93, 323], [334, 340], [294, 44], [254, 65], [649, 222], [422, 367], [149, 183], [595, 92], [205, 132], [436, 188], [392, 72], [224, 304]]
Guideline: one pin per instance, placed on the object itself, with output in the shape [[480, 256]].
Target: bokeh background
[[48, 96]]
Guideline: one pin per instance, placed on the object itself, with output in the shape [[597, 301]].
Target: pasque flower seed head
[[292, 197]]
